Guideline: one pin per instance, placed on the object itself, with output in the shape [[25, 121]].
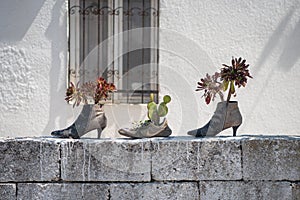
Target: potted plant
[[152, 126], [227, 114], [92, 116]]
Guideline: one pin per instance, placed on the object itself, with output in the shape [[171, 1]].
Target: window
[[116, 39]]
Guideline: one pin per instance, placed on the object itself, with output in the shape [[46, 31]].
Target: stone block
[[8, 191], [149, 191], [250, 190], [29, 159], [106, 160], [296, 191], [62, 191], [183, 158], [271, 158]]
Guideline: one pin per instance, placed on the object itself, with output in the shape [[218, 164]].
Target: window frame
[[114, 69]]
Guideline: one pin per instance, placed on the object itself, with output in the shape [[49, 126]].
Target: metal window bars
[[118, 40]]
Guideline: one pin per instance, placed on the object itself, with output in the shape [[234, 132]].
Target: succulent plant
[[236, 74], [102, 90], [229, 77], [156, 111], [97, 90], [211, 86]]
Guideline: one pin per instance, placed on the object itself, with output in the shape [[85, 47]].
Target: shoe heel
[[165, 133], [99, 130], [234, 128]]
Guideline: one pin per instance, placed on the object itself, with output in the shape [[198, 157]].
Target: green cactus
[[155, 112]]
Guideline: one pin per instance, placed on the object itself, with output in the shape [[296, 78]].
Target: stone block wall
[[246, 167]]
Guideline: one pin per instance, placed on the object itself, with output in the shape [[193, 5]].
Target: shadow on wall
[[290, 50], [57, 34], [17, 17]]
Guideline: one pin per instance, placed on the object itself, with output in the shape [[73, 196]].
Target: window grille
[[118, 40]]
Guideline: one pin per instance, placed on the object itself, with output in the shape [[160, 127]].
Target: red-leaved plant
[[98, 91], [228, 77]]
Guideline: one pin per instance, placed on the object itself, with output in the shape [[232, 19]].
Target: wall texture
[[263, 167], [199, 36], [196, 37]]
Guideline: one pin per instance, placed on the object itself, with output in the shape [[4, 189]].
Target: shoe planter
[[91, 117], [227, 115], [147, 130]]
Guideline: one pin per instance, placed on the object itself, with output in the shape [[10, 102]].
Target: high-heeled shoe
[[227, 115], [91, 117], [147, 130]]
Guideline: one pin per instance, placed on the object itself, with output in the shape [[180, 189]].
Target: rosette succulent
[[236, 74], [227, 78], [211, 86], [98, 91]]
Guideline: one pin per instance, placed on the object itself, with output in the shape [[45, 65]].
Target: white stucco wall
[[196, 37]]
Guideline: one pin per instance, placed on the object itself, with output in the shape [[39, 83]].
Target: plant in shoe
[[227, 113], [92, 116], [236, 74], [152, 126], [227, 78], [98, 91], [211, 86], [154, 112]]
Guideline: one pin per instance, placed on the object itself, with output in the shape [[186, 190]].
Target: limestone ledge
[[267, 158], [245, 167]]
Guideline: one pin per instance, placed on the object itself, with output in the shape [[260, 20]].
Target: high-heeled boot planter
[[91, 117], [227, 115]]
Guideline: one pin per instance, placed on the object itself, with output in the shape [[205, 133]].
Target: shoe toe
[[61, 134], [125, 132], [121, 131], [129, 133], [192, 132], [57, 134]]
